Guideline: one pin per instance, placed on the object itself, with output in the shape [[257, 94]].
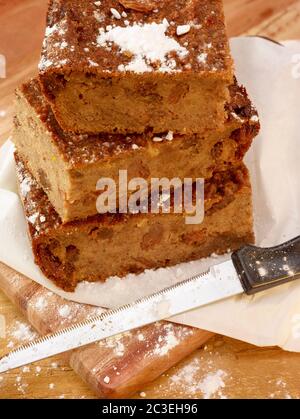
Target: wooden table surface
[[224, 368]]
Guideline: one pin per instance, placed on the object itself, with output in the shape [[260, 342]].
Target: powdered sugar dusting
[[148, 43], [25, 186], [22, 332], [99, 16], [28, 187], [169, 342], [58, 29], [64, 311], [32, 219], [202, 58], [41, 303], [212, 383], [116, 343], [169, 339]]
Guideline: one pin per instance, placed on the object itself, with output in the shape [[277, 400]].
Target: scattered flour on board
[[22, 332], [116, 343], [64, 311], [41, 303], [166, 343], [210, 386], [168, 339]]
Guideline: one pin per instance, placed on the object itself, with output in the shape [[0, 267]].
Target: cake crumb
[[202, 58], [38, 370], [183, 29], [170, 136], [115, 13]]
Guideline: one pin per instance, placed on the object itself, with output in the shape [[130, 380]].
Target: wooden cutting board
[[244, 370], [114, 368]]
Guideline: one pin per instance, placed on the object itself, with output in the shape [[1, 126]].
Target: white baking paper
[[271, 74]]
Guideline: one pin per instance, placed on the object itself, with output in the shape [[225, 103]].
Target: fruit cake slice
[[68, 166], [118, 244], [127, 66]]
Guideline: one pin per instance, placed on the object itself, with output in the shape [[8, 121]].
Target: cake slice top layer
[[114, 36], [83, 149]]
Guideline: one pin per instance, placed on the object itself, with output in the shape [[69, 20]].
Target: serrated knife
[[250, 270]]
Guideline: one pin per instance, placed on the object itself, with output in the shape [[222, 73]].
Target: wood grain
[[112, 368], [243, 16], [248, 372]]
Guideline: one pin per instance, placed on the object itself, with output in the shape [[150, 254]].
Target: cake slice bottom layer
[[108, 245]]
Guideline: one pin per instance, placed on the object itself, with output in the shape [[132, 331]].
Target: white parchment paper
[[271, 74]]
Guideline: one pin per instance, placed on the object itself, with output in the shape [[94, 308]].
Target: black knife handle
[[261, 269]]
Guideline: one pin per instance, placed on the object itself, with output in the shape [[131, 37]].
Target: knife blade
[[250, 270]]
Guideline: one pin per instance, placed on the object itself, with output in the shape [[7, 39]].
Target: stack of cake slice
[[142, 86]]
